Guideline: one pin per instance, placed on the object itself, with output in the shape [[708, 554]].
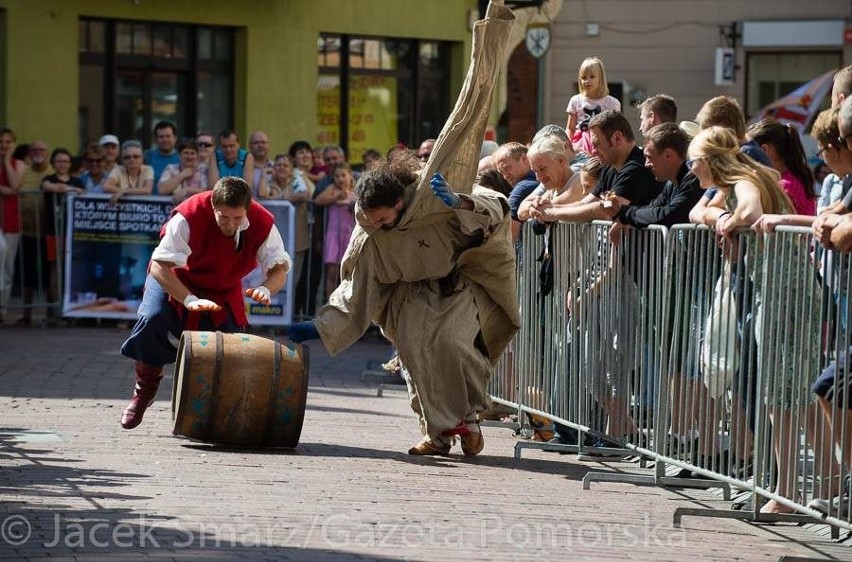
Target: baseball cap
[[108, 139]]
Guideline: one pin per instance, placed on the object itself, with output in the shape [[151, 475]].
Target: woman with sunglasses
[[131, 177], [94, 179], [747, 190]]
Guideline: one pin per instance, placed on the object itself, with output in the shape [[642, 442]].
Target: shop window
[[375, 92], [133, 74]]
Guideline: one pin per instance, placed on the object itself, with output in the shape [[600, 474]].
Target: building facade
[[670, 46], [373, 73], [367, 73]]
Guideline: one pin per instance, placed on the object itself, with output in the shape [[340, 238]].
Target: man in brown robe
[[434, 266], [436, 271]]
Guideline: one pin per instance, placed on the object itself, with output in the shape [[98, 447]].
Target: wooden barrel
[[239, 389]]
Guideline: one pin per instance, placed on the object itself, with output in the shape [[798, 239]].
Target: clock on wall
[[538, 39]]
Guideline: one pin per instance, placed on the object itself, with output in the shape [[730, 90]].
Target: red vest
[[216, 266]]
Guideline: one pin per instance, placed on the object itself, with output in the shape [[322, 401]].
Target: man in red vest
[[209, 244]]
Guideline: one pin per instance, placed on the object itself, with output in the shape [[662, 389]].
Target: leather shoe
[[429, 447], [132, 414], [472, 443], [148, 380]]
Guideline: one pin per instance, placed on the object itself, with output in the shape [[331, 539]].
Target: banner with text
[[109, 247]]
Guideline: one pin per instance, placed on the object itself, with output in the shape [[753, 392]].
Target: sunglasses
[[691, 163], [204, 144], [131, 156]]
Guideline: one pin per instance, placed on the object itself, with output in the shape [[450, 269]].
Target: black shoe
[[745, 504], [560, 442], [567, 434], [601, 455], [691, 475], [683, 473]]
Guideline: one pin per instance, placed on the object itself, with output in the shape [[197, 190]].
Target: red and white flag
[[799, 107]]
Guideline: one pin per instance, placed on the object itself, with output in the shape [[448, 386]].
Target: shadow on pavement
[[309, 408], [46, 475], [124, 534]]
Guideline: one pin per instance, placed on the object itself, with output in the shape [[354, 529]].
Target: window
[[374, 92], [773, 75], [133, 74]]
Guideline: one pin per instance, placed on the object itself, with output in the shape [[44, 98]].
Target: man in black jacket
[[665, 155]]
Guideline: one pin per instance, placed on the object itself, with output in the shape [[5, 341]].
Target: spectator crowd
[[714, 171]]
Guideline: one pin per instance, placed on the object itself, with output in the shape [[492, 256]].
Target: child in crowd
[[318, 168], [593, 98], [782, 145], [589, 174], [339, 197], [492, 179]]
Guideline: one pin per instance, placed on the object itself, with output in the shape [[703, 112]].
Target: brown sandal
[[429, 447], [472, 443]]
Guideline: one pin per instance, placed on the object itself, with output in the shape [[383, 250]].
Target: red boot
[[147, 382]]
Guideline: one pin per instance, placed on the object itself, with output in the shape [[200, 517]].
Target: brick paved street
[[74, 485]]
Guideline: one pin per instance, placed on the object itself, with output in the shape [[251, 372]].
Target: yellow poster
[[328, 110], [373, 118]]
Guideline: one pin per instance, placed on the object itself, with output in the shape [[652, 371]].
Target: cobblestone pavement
[[74, 485]]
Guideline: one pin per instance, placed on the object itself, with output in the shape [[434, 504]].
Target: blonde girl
[[593, 98]]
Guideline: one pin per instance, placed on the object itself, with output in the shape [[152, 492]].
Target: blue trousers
[[149, 340]]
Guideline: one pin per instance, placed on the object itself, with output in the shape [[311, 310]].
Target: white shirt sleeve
[[575, 104], [174, 246], [272, 252]]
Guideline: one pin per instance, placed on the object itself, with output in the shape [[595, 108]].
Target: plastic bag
[[720, 350]]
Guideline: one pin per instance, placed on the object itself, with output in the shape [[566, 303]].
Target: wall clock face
[[538, 40]]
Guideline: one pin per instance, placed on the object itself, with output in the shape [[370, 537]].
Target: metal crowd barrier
[[694, 354], [31, 277]]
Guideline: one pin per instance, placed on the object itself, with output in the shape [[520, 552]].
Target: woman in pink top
[[784, 149]]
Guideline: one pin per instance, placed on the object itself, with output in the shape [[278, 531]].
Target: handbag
[[720, 349], [545, 272]]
